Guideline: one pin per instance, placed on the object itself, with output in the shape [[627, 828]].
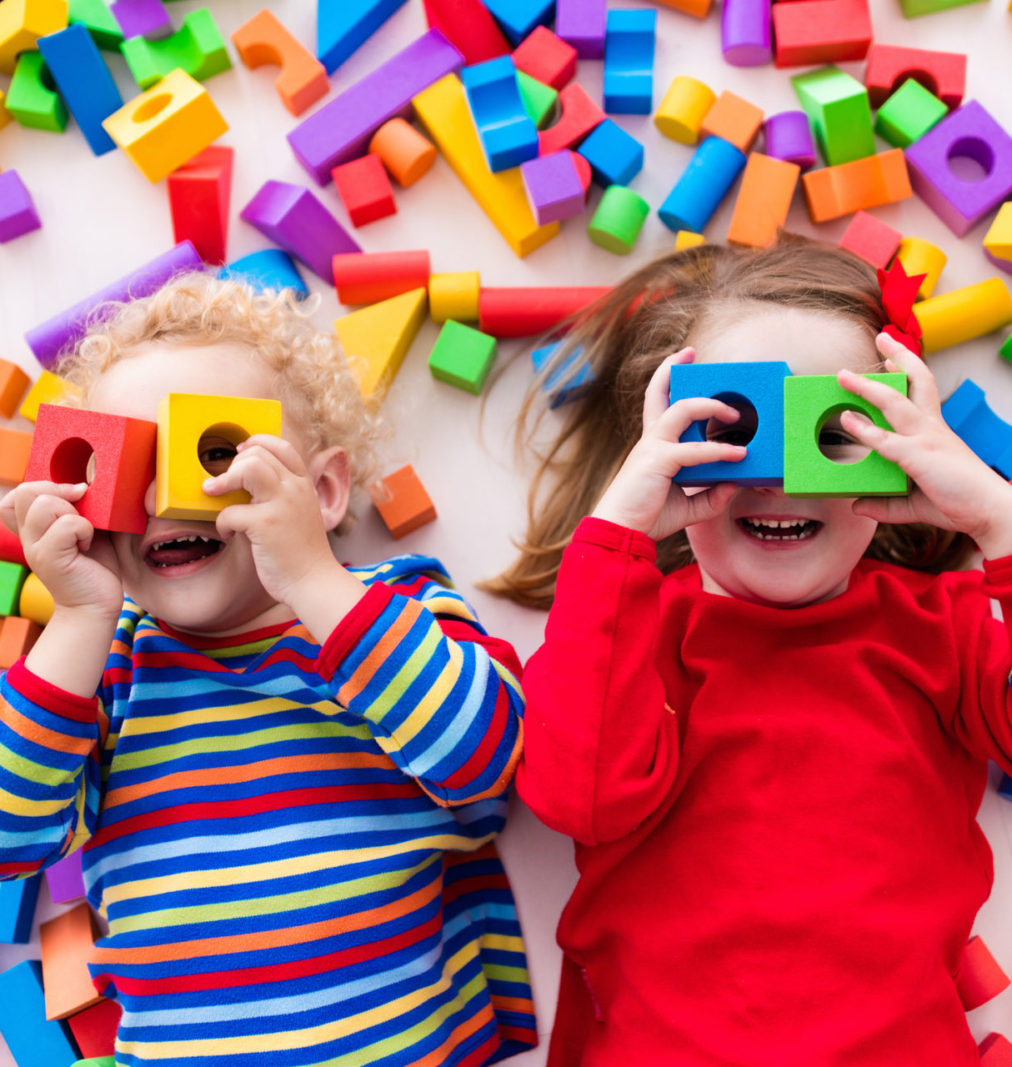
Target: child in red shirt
[[765, 725]]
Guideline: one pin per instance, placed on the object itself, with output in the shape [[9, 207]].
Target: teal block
[[462, 356], [343, 25], [99, 21], [196, 47], [838, 109], [809, 401], [908, 114], [17, 909], [32, 98], [33, 1040], [12, 578]]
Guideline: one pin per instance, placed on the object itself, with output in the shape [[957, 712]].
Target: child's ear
[[329, 473]]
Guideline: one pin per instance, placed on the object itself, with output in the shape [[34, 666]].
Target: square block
[[402, 502], [462, 356], [66, 943], [733, 119], [17, 636], [546, 57], [838, 108], [875, 241], [364, 189], [15, 448], [811, 399], [615, 157], [758, 385], [553, 185], [183, 419], [908, 114]]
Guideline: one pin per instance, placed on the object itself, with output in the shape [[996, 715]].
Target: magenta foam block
[[582, 23], [341, 129], [292, 217], [745, 34], [62, 331], [789, 137], [961, 202], [64, 879], [17, 211], [142, 18], [555, 187]]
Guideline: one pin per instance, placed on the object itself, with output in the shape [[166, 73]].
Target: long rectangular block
[[764, 199], [33, 1040], [17, 909], [66, 943], [856, 186]]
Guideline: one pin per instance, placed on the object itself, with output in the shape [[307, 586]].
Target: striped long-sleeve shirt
[[291, 844]]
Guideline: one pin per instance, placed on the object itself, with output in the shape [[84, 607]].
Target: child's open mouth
[[180, 551], [780, 529]]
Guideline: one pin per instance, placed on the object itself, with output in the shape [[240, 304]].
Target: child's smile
[[179, 554], [779, 531]]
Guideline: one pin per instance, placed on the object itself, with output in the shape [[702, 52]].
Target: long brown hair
[[622, 338]]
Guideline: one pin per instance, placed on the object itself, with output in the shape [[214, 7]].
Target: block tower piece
[[64, 443], [757, 390], [764, 199], [184, 419], [364, 189], [15, 448], [527, 311], [84, 82], [196, 48], [629, 62], [302, 79], [402, 502], [553, 185], [462, 356], [167, 126], [995, 1051], [855, 186], [875, 241], [615, 157], [377, 338], [17, 908], [32, 1040], [706, 180], [17, 636], [809, 401], [455, 295], [618, 219], [908, 114], [971, 418], [788, 136], [405, 153], [579, 115], [963, 314], [35, 601], [539, 100], [837, 105], [343, 25], [23, 23], [295, 220], [546, 57], [746, 38], [66, 942], [685, 105], [809, 32], [979, 977], [469, 27], [17, 209], [64, 878], [368, 277], [941, 73], [31, 101], [582, 23], [99, 21], [94, 1031], [507, 134], [971, 132], [199, 194], [733, 119]]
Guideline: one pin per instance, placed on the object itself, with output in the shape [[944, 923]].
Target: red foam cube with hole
[[364, 189]]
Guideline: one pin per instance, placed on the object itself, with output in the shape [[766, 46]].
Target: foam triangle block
[[377, 338]]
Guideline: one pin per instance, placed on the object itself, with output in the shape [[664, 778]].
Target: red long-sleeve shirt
[[774, 810]]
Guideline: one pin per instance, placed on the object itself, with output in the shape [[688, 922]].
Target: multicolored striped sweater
[[291, 844]]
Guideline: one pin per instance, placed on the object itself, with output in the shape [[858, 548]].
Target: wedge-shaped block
[[199, 194], [963, 314], [343, 25], [402, 502], [377, 338], [998, 239], [184, 419], [31, 99], [196, 48], [17, 907], [23, 22], [539, 100], [908, 114], [66, 943], [33, 1040], [519, 17], [166, 126], [764, 199], [123, 450], [469, 26], [629, 62], [810, 400], [856, 186], [837, 106], [17, 209], [971, 418], [508, 136], [270, 268], [941, 73], [462, 356], [706, 180], [757, 390]]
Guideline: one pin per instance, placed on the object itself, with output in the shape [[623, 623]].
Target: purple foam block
[[960, 202], [17, 212], [62, 331], [745, 37], [554, 188], [296, 221], [142, 18], [582, 23], [65, 880], [1001, 264], [789, 137], [341, 130]]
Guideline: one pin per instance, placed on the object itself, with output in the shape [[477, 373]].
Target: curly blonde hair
[[311, 376]]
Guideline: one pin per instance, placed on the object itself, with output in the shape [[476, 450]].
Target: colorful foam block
[[941, 73], [746, 32], [48, 388], [17, 636], [615, 157], [837, 105], [15, 448], [17, 909], [546, 57], [979, 977], [454, 296], [17, 209], [468, 26], [859, 185], [733, 119], [32, 1040], [36, 601], [912, 8], [13, 384], [970, 417], [519, 17], [142, 18], [908, 114], [963, 314], [96, 1061], [64, 878], [998, 239], [578, 116], [12, 580], [23, 23], [402, 502], [65, 443], [99, 21], [811, 399], [618, 219], [405, 153], [788, 136], [921, 257], [528, 311], [199, 194], [84, 82], [706, 180], [196, 48], [582, 23], [686, 103], [687, 239], [553, 185], [563, 377], [63, 330], [377, 338], [539, 100], [292, 217], [462, 356], [30, 100], [342, 128], [368, 277], [970, 131], [764, 199], [808, 32], [66, 943], [343, 25], [442, 110], [995, 1051], [875, 241], [183, 419], [507, 134], [364, 189], [752, 387], [629, 62], [270, 268], [167, 126], [302, 79], [94, 1031], [10, 546]]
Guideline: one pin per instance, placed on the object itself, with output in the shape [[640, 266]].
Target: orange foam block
[[402, 502], [699, 8], [733, 119], [17, 636], [66, 943], [264, 40], [979, 978], [406, 154], [15, 448], [767, 188], [856, 186], [13, 385]]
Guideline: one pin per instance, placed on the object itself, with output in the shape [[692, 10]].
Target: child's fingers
[[41, 512], [694, 453], [889, 509], [921, 386], [683, 413], [278, 447], [23, 496], [657, 399], [708, 504], [900, 411], [256, 469]]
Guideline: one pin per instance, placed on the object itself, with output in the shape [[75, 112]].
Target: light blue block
[[343, 25], [971, 418], [270, 268], [17, 909], [706, 180], [33, 1040], [615, 157], [562, 385], [508, 135], [629, 62], [517, 18], [759, 384]]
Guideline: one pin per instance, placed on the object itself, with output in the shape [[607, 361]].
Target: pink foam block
[[554, 187], [872, 239], [65, 880], [789, 137], [17, 212], [961, 202]]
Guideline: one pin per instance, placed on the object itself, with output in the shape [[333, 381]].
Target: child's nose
[[770, 490], [149, 498]]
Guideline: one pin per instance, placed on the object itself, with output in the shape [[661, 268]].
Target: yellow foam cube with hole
[[166, 126], [23, 22], [48, 388], [183, 419]]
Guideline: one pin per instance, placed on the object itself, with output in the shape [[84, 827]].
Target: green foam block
[[618, 219], [197, 47], [462, 356], [837, 107], [908, 114], [539, 99], [32, 98]]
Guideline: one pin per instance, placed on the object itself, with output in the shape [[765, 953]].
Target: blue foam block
[[17, 909], [562, 385], [518, 17], [343, 25], [270, 268], [629, 62], [706, 180], [615, 157], [990, 437], [84, 82], [508, 135], [758, 383], [33, 1040]]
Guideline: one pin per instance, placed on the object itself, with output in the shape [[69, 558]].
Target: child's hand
[[74, 562], [642, 495], [953, 488]]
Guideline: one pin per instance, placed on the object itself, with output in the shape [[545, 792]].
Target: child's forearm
[[323, 602], [72, 650]]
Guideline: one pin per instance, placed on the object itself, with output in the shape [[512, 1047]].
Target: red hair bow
[[899, 291]]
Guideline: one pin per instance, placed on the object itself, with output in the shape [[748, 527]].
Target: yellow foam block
[[166, 126], [23, 22], [377, 338], [185, 418], [454, 296], [36, 601], [922, 257], [46, 389], [961, 315], [686, 103], [5, 115], [998, 239], [687, 239], [443, 110]]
